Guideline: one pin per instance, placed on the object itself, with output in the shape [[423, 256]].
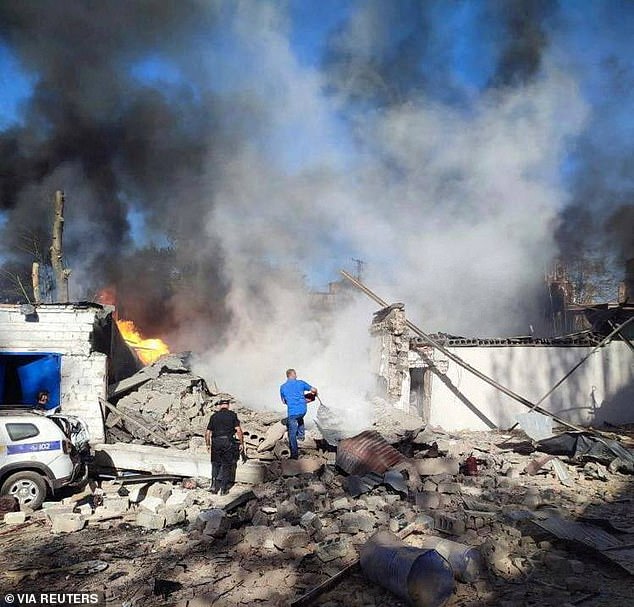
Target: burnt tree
[[57, 249]]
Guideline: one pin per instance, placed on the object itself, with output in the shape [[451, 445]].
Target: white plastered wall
[[602, 389]]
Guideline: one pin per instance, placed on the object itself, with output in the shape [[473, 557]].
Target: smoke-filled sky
[[215, 152]]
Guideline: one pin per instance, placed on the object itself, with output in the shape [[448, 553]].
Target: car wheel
[[29, 488]]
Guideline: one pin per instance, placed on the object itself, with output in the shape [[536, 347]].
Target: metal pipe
[[465, 365], [602, 343], [627, 341]]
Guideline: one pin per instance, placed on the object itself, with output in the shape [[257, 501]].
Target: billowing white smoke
[[453, 211]]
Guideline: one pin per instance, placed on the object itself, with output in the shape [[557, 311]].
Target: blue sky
[[16, 86], [461, 53]]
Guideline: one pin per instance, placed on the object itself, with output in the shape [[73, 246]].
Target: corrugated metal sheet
[[593, 537], [367, 452]]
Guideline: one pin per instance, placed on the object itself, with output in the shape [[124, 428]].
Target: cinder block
[[14, 518], [67, 522], [290, 537], [150, 520], [173, 516], [437, 465], [152, 503]]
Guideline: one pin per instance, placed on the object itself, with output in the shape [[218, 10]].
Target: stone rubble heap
[[269, 543], [166, 404]]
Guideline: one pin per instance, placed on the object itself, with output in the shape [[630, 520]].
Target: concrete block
[[67, 522], [290, 537], [449, 524], [218, 524], [115, 504], [332, 549], [340, 503], [450, 488], [150, 520], [353, 522], [437, 465], [14, 518], [424, 522], [174, 537], [429, 500], [173, 516], [305, 465], [317, 488], [152, 503], [311, 522], [160, 490], [374, 503], [287, 509], [58, 509], [259, 537], [179, 497]]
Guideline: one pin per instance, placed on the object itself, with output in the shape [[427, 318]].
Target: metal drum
[[422, 577], [464, 560]]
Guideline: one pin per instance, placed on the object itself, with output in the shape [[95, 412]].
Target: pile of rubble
[[272, 542], [165, 404]]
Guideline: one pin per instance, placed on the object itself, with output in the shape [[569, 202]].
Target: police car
[[40, 454]]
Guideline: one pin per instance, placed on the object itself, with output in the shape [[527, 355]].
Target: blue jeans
[[295, 425]]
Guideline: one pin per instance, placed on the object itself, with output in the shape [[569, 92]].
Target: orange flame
[[148, 350]]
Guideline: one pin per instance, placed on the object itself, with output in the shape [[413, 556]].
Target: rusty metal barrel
[[420, 576]]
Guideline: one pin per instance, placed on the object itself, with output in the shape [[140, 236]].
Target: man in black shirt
[[225, 449]]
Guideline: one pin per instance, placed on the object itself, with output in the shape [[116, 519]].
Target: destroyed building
[[72, 350], [418, 378]]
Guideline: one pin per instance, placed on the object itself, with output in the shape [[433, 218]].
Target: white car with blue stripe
[[39, 454]]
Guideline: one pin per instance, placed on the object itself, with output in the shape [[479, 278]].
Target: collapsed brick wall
[[391, 356], [168, 404]]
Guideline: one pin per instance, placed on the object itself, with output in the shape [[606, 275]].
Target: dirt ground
[[180, 566]]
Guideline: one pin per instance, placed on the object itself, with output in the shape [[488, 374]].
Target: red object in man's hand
[[310, 396]]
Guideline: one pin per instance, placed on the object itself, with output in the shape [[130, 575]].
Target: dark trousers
[[295, 426], [224, 457]]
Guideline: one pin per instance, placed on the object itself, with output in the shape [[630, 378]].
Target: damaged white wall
[[602, 389], [66, 330]]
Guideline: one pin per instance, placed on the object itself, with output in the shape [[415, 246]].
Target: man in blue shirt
[[293, 394]]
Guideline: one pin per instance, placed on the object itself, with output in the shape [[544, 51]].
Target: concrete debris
[[15, 518], [290, 537], [431, 466], [300, 522], [331, 549], [152, 503], [305, 465], [67, 522], [150, 520]]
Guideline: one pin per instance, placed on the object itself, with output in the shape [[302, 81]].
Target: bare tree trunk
[[35, 278], [57, 250]]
